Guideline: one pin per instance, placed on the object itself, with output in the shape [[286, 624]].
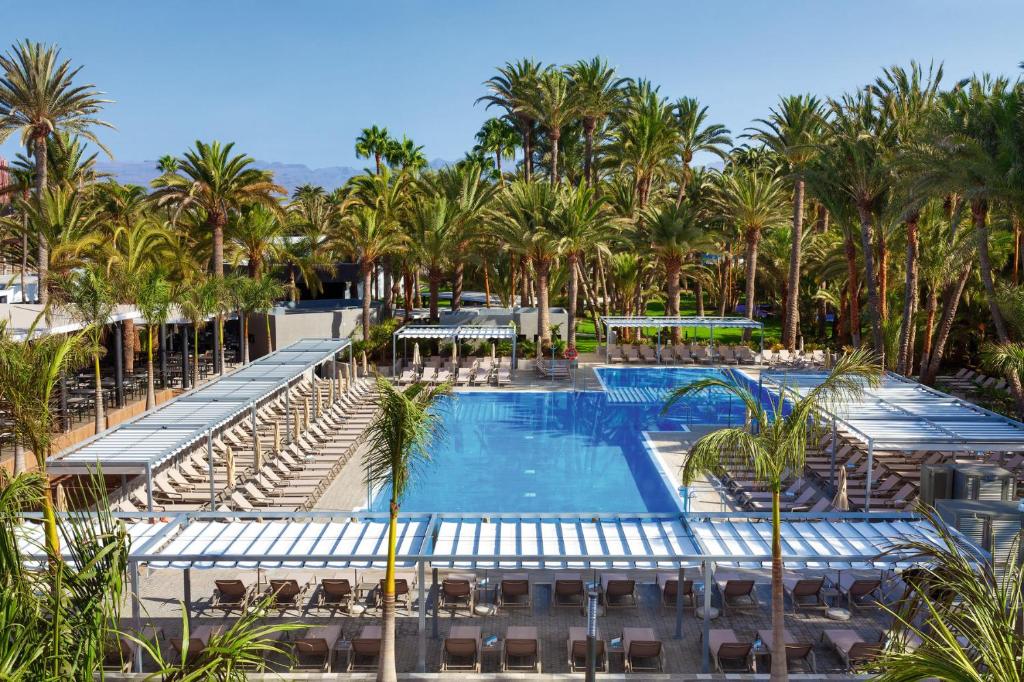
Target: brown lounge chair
[[729, 653], [334, 593], [514, 591], [521, 652], [804, 592], [577, 650], [669, 583], [286, 594], [856, 589], [457, 592], [119, 654], [461, 650], [364, 652], [231, 595], [569, 592], [618, 591], [403, 594], [315, 649], [737, 593], [642, 650], [854, 651], [197, 641], [797, 652]]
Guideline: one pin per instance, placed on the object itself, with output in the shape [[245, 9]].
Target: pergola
[[905, 416], [456, 333], [552, 542], [684, 322], [143, 444]]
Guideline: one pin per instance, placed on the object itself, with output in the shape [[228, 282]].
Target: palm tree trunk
[[753, 237], [367, 292], [979, 214], [780, 672], [24, 261], [1015, 220], [19, 458], [460, 271], [43, 254], [572, 261], [875, 311], [588, 292], [129, 335], [195, 348], [98, 392], [903, 362], [487, 284], [952, 301], [543, 268], [270, 339], [929, 325], [387, 672], [434, 277], [883, 276], [589, 124], [388, 294], [497, 164], [672, 267], [723, 285], [605, 299], [407, 294], [527, 131], [698, 291], [853, 290], [524, 282], [245, 338], [150, 383], [554, 135], [793, 283]]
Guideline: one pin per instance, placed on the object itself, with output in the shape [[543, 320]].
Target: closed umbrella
[[61, 503], [841, 502], [455, 354], [277, 436], [352, 369], [416, 361], [494, 351], [231, 467], [257, 456], [366, 367]]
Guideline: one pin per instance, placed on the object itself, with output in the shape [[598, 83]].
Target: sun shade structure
[[903, 415], [456, 333], [155, 437], [682, 322]]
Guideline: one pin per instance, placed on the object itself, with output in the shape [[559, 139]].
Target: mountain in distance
[[289, 175]]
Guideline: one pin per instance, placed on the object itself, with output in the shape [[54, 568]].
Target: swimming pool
[[560, 452]]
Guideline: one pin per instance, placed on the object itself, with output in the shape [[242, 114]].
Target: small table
[[492, 650], [759, 653]]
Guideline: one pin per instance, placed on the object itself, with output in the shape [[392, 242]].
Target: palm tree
[[255, 231], [752, 200], [66, 222], [168, 163], [432, 229], [513, 89], [954, 596], [369, 238], [497, 136], [695, 137], [257, 296], [375, 142], [792, 130], [774, 447], [581, 223], [552, 106], [399, 438], [405, 154], [674, 232], [89, 295], [152, 296], [215, 181], [198, 300], [645, 140], [596, 92], [39, 97]]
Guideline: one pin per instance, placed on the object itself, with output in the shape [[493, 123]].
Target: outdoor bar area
[[678, 322]]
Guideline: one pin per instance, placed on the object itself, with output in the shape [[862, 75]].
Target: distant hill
[[290, 175]]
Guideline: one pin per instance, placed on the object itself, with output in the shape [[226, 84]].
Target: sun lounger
[[429, 375], [335, 593], [576, 648], [198, 639], [364, 652], [642, 650], [857, 588], [521, 651], [727, 356], [461, 649], [568, 591], [457, 592], [682, 354], [465, 374], [797, 652], [744, 355], [286, 594], [403, 592], [647, 354], [408, 376], [853, 650], [669, 584], [514, 591], [737, 592], [231, 595], [804, 592], [314, 650], [618, 591], [258, 499], [119, 654], [503, 376], [729, 653]]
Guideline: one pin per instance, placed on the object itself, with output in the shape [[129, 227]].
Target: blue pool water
[[573, 452]]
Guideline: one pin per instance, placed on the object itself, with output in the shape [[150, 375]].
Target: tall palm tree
[[369, 238], [793, 130], [774, 447], [198, 300], [553, 107], [256, 295], [38, 98], [597, 91], [674, 232], [433, 233], [645, 140], [388, 193], [375, 142], [255, 232], [752, 200], [581, 223], [217, 182], [513, 89], [405, 154], [695, 137], [66, 221], [399, 440], [89, 295], [499, 137], [152, 296]]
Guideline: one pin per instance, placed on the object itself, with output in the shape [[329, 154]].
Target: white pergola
[[284, 541], [143, 444], [678, 322], [905, 416], [456, 333]]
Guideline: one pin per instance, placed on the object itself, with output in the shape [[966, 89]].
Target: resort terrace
[[677, 322]]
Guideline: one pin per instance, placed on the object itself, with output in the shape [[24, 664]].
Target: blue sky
[[295, 82]]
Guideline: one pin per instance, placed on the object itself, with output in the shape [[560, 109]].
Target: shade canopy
[[154, 437], [644, 321], [904, 415], [460, 332]]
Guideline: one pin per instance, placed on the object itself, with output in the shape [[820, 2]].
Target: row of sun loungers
[[969, 381], [470, 372], [686, 354]]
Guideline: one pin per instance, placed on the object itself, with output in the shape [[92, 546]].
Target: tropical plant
[[369, 238], [497, 136], [399, 441], [152, 295], [198, 300], [774, 447], [375, 142], [597, 92], [674, 232], [513, 89]]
